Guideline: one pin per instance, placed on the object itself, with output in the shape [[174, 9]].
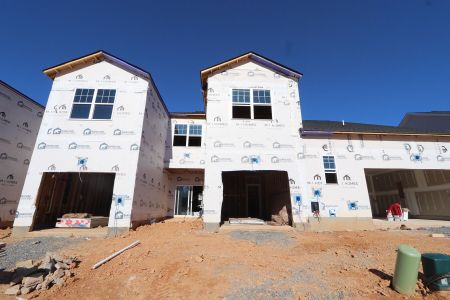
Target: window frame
[[188, 134], [79, 102], [103, 103], [251, 104], [196, 134], [329, 167], [92, 104]]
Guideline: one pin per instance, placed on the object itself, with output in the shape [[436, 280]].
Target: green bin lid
[[436, 256]]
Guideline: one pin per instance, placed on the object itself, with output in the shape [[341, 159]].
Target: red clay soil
[[181, 261]]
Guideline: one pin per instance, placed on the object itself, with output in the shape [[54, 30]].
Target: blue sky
[[364, 61]]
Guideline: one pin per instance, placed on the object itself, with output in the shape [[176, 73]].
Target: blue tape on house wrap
[[119, 200], [353, 205], [317, 193], [82, 162]]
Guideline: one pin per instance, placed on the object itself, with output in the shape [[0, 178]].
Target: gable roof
[[102, 55], [249, 56], [21, 94], [95, 57], [320, 128]]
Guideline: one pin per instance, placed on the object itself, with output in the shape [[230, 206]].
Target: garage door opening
[[255, 194], [425, 193], [63, 193]]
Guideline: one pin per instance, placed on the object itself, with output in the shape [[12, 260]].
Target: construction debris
[[404, 227], [2, 249], [115, 254], [282, 218], [41, 275], [76, 215], [248, 221], [437, 235]]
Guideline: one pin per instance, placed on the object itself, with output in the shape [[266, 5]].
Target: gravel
[[263, 237], [287, 288], [443, 229], [33, 249]]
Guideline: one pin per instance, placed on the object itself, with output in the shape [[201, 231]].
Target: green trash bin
[[406, 270], [436, 268]]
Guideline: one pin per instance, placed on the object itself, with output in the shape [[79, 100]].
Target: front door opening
[[70, 192], [188, 200], [255, 194]]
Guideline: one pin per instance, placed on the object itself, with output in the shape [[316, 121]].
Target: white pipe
[[115, 254]]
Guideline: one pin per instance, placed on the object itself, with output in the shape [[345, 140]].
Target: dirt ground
[[178, 260]]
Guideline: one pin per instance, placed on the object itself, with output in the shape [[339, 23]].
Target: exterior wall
[[20, 119], [353, 155], [181, 177], [185, 157], [151, 187], [231, 143], [106, 145]]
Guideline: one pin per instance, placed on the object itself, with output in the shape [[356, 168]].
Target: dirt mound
[[180, 260]]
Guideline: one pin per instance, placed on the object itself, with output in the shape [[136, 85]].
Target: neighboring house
[[249, 155], [433, 120], [20, 118]]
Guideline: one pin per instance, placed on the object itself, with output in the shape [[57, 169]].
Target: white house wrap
[[249, 155]]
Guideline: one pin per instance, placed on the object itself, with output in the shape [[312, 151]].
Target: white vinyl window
[[329, 166], [256, 107], [82, 107], [183, 137]]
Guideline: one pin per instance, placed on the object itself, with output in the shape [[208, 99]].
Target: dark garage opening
[[61, 193], [426, 193], [255, 194]]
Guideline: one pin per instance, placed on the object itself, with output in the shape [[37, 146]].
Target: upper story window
[[101, 110], [262, 108], [180, 135], [82, 103], [183, 137], [104, 103], [195, 135], [329, 166], [241, 104], [256, 107]]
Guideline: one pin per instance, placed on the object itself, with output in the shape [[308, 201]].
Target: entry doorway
[[254, 203], [188, 200]]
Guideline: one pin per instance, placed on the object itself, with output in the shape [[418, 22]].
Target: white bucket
[[405, 216]]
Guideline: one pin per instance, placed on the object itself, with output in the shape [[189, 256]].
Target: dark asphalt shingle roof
[[336, 127]]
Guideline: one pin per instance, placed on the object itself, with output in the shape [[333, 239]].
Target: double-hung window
[[329, 166], [183, 137], [256, 107], [102, 109], [82, 104], [195, 135], [262, 108], [104, 103], [241, 104], [180, 135]]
